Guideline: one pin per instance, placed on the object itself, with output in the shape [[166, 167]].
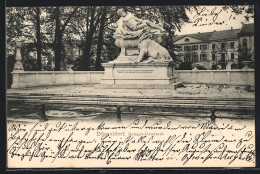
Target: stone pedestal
[[246, 64], [138, 75], [228, 66], [18, 66]]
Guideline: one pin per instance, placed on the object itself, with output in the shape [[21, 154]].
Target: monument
[[143, 62]]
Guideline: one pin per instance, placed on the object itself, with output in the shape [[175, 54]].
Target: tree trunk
[[38, 38], [58, 39], [88, 41], [98, 66], [59, 30], [58, 52]]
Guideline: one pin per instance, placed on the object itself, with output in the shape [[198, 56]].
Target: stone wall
[[52, 78], [230, 77]]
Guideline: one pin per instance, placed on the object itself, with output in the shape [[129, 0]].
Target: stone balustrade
[[229, 77], [23, 79], [53, 78]]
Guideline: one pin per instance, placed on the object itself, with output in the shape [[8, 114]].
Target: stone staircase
[[243, 104]]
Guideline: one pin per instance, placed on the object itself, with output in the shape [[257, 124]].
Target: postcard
[[130, 86]]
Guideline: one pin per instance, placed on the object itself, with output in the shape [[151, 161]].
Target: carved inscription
[[135, 71]]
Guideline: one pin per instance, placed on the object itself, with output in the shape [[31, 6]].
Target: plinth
[[138, 75]]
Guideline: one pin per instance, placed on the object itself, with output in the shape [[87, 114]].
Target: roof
[[211, 36], [247, 29], [224, 35], [178, 37], [201, 36]]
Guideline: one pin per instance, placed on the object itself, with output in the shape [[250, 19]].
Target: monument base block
[[138, 75]]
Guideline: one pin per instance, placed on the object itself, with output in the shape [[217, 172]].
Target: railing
[[171, 103]]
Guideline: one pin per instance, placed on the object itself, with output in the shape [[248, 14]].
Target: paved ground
[[190, 90]]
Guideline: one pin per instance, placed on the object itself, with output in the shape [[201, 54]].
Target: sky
[[203, 22]]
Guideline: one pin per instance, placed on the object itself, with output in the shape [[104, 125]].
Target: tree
[[89, 29], [15, 18], [98, 66], [110, 50], [59, 31], [21, 25], [38, 38], [25, 25], [239, 9], [244, 54], [92, 21]]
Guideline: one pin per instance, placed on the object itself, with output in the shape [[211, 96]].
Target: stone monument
[[143, 62]]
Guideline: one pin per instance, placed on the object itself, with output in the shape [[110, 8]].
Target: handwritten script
[[207, 17], [138, 143]]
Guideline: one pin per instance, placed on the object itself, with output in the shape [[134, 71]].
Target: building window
[[213, 46], [203, 47], [223, 57], [187, 58], [213, 57], [232, 56], [244, 43], [179, 48], [187, 40], [195, 57], [195, 47], [232, 45], [222, 45], [187, 48], [203, 56]]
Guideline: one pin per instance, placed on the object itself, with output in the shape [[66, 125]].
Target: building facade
[[213, 50]]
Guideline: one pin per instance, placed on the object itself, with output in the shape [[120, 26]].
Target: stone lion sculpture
[[153, 50]]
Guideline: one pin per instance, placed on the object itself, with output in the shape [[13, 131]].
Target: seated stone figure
[[134, 32], [135, 23], [130, 27]]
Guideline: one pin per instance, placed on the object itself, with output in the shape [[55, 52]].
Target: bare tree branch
[[68, 19]]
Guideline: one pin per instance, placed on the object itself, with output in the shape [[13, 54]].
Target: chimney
[[231, 28], [214, 30]]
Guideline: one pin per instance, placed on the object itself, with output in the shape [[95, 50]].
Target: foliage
[[244, 54], [29, 63], [239, 9], [83, 35], [9, 69], [201, 67], [185, 66]]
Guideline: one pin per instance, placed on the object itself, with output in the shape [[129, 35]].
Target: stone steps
[[134, 96], [171, 102], [152, 100]]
